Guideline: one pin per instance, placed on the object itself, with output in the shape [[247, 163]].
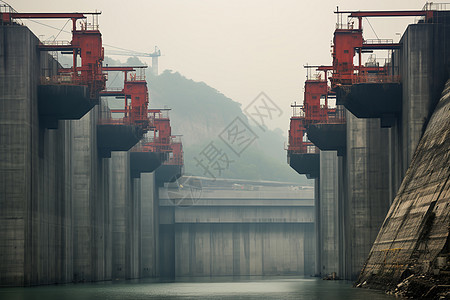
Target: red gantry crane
[[309, 113], [313, 111], [135, 94], [348, 41], [176, 158], [86, 42], [162, 134], [154, 55]]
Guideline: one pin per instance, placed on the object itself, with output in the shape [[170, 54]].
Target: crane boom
[[154, 56], [155, 53]]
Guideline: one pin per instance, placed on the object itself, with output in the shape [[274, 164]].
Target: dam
[[87, 196]]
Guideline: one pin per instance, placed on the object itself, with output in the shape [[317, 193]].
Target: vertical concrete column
[[343, 194], [416, 70], [317, 224], [136, 229], [100, 222], [19, 73], [67, 252], [121, 214], [84, 195], [167, 243], [149, 215], [368, 188], [329, 213]]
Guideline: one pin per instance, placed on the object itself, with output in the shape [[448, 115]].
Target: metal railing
[[138, 75], [55, 43], [378, 41], [376, 78], [59, 79], [89, 27], [436, 6], [304, 148], [113, 122], [345, 26], [6, 8], [176, 139], [164, 114], [336, 115]]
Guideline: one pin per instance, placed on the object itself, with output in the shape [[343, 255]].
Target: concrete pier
[[90, 202], [35, 214], [329, 235], [379, 146], [67, 214], [149, 215], [367, 189]]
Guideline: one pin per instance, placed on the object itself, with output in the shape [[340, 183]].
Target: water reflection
[[199, 288]]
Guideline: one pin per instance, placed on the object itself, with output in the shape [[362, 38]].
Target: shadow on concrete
[[63, 102], [117, 137]]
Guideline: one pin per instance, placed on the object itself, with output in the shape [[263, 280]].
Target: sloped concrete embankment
[[413, 240]]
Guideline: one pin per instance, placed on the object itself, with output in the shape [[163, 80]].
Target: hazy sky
[[239, 47]]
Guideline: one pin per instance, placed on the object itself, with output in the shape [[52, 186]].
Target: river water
[[199, 288]]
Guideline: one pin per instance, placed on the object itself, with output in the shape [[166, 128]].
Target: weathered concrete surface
[[149, 214], [240, 249], [415, 231], [329, 234], [121, 196], [90, 207], [266, 231], [56, 214], [367, 189], [423, 60], [35, 214]]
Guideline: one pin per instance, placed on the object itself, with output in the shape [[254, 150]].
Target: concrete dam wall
[[67, 214], [73, 211], [415, 232], [231, 233], [380, 140]]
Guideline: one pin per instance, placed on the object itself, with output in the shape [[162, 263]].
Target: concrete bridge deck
[[264, 230]]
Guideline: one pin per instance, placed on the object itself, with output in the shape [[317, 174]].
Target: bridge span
[[228, 228]]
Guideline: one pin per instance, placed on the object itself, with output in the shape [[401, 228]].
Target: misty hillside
[[200, 113]]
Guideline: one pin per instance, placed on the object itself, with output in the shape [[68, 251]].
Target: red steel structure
[[162, 140], [348, 41], [309, 113], [86, 42], [313, 111], [176, 157], [162, 134], [135, 94]]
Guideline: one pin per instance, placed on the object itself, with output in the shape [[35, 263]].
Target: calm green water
[[199, 288]]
